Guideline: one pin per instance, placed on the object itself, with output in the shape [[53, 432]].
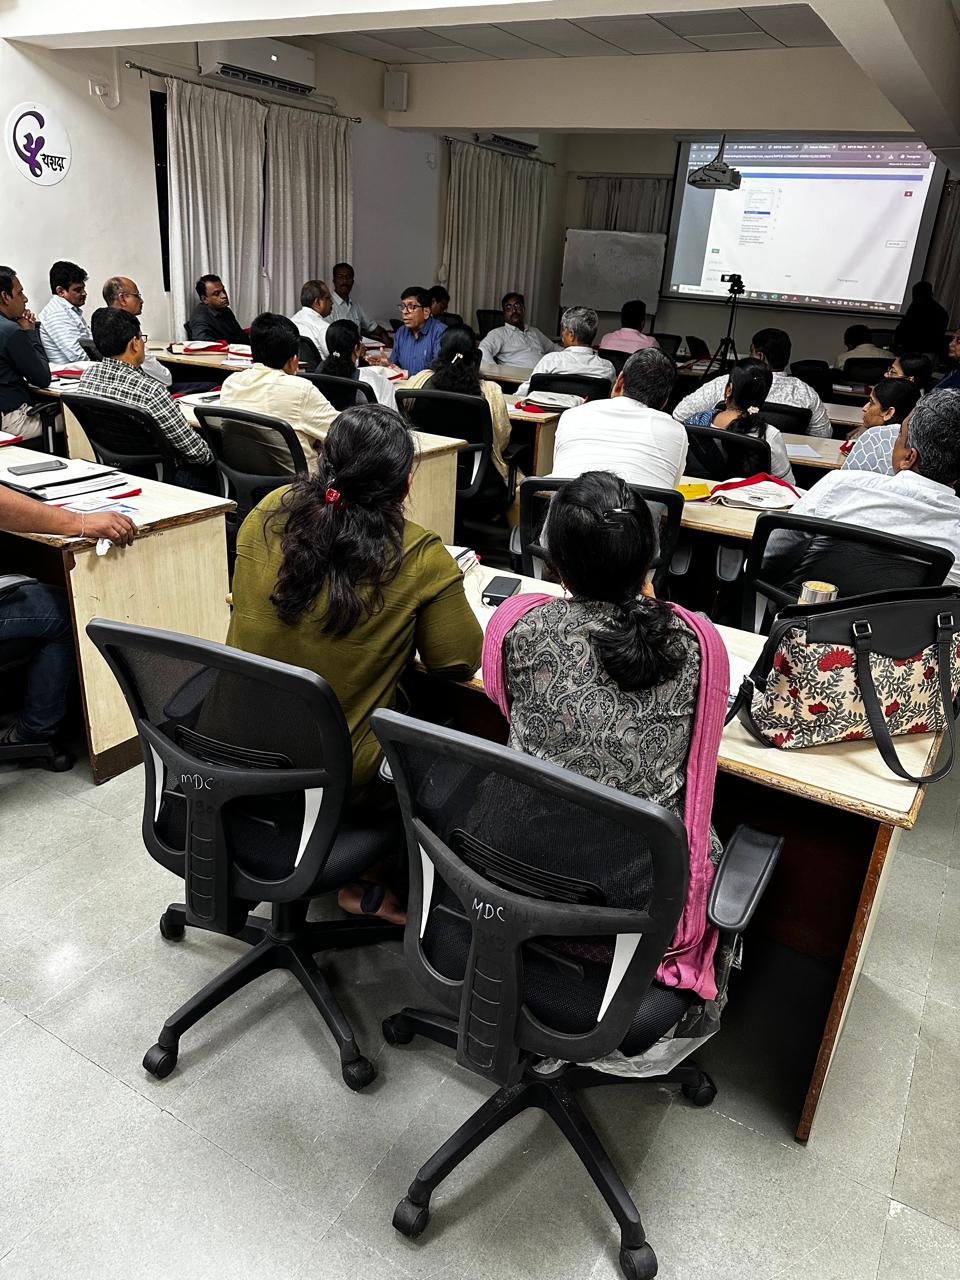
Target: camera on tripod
[[735, 281]]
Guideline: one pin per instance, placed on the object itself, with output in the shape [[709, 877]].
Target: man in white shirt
[[271, 386], [629, 434], [858, 345], [515, 343], [61, 321], [578, 328], [918, 498], [316, 303], [121, 293], [772, 347], [344, 308]]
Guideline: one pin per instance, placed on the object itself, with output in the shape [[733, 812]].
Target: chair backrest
[[461, 417], [89, 348], [188, 330], [572, 384], [723, 455], [669, 343], [487, 319], [792, 418], [617, 358], [307, 354], [883, 337], [395, 324], [123, 436], [509, 854], [816, 374], [866, 371], [854, 559], [697, 347], [536, 494], [248, 766], [343, 393], [450, 319], [255, 453]]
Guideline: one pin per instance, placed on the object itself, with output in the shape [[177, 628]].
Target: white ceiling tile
[[492, 40], [367, 47], [635, 35], [795, 25], [565, 38], [714, 22], [409, 38], [454, 53], [746, 40]]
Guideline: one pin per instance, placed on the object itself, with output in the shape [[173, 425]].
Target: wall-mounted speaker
[[395, 85]]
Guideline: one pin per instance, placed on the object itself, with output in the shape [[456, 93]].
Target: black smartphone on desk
[[32, 468], [499, 589]]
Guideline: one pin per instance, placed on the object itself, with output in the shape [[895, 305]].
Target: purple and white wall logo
[[37, 144]]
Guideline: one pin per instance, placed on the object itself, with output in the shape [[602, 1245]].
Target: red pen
[[131, 493]]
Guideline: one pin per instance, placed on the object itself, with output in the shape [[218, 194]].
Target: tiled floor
[[253, 1159]]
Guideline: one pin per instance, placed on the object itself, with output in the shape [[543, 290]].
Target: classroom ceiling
[[776, 27]]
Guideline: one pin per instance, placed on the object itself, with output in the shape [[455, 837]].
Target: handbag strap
[[862, 635]]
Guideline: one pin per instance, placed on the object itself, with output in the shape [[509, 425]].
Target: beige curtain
[[215, 145], [627, 204], [943, 260], [308, 214], [492, 228]]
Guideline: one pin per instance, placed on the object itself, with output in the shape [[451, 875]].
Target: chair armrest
[[11, 582], [745, 868], [730, 562], [681, 559]]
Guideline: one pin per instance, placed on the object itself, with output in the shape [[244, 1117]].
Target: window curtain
[[943, 261], [215, 144], [492, 227], [308, 211], [627, 204]]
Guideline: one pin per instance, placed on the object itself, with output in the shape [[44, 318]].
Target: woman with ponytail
[[741, 411], [344, 351]]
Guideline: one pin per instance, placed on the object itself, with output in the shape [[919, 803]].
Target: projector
[[716, 174]]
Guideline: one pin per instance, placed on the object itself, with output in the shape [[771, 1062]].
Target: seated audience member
[[344, 350], [271, 386], [630, 336], [211, 319], [416, 344], [913, 366], [918, 498], [952, 379], [629, 434], [741, 412], [457, 368], [41, 613], [23, 361], [578, 328], [858, 345], [121, 292], [890, 402], [316, 303], [772, 348], [439, 301], [924, 322], [119, 376], [61, 321], [515, 343], [344, 308]]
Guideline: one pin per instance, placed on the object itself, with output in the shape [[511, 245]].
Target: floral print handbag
[[877, 665]]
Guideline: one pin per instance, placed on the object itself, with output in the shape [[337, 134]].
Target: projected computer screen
[[837, 225]]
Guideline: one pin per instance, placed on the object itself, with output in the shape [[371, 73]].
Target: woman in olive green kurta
[[329, 576]]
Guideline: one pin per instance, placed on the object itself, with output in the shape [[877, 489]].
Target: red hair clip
[[334, 497]]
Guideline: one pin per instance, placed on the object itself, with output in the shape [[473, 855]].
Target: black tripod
[[726, 352]]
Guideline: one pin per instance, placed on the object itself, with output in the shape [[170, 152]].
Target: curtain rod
[[501, 151], [585, 177], [267, 102]]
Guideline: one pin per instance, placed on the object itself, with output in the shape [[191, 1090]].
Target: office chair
[[572, 384], [617, 358], [188, 330], [862, 371], [248, 768], [536, 493], [124, 437], [816, 374], [669, 343], [697, 347], [853, 559], [13, 654], [790, 418], [883, 338], [343, 393], [724, 455], [450, 319], [541, 904], [47, 413], [488, 319], [89, 348], [308, 355]]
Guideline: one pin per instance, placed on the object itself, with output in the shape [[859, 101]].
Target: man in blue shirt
[[952, 379], [416, 345]]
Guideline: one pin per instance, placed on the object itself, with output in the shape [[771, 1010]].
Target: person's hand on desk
[[109, 524]]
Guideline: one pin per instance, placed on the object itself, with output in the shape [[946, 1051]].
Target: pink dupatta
[[689, 961]]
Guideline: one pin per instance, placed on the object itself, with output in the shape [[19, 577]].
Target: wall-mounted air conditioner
[[267, 64], [502, 142]]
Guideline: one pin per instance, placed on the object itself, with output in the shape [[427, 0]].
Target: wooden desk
[[506, 374], [828, 452], [544, 429], [716, 518], [840, 811], [174, 577], [211, 361], [845, 415]]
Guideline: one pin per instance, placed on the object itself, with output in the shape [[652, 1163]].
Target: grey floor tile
[[901, 947], [213, 1217], [927, 1168], [340, 1256], [9, 1017], [944, 985], [860, 1118], [935, 835], [121, 797], [38, 823], [915, 1245]]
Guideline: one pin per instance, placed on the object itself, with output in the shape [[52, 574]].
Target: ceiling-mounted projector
[[716, 174]]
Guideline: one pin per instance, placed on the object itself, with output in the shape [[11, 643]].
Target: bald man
[[121, 293]]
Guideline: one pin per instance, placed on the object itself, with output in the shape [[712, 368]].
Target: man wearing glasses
[[415, 346], [122, 294], [212, 320]]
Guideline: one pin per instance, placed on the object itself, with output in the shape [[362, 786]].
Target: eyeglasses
[[138, 296], [410, 306], [143, 337]]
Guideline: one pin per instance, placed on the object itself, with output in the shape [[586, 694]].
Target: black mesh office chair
[[790, 418], [860, 371], [666, 507], [308, 355], [854, 559], [343, 393], [572, 384], [541, 904], [123, 436], [89, 349], [617, 358], [669, 343], [697, 347], [14, 654], [723, 455], [248, 767], [488, 319], [816, 374], [450, 319]]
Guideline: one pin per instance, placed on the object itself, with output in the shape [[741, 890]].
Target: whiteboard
[[605, 269]]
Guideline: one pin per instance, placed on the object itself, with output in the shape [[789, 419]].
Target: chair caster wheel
[[702, 1093], [159, 1061], [396, 1029], [638, 1264], [171, 927], [411, 1219], [358, 1073]]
